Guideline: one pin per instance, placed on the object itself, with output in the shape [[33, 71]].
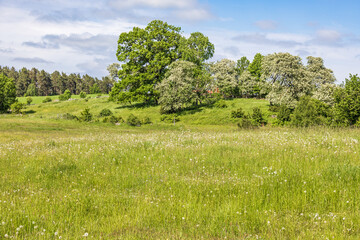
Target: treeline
[[36, 82]]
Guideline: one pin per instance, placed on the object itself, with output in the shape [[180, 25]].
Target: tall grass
[[64, 179]]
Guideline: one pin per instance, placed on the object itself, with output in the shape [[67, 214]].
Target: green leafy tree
[[31, 90], [23, 82], [224, 76], [113, 70], [287, 78], [242, 65], [7, 92], [347, 101], [247, 84], [255, 69], [95, 89], [44, 83], [65, 96], [196, 49], [177, 89], [146, 54]]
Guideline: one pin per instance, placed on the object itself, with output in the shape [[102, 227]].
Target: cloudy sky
[[81, 35]]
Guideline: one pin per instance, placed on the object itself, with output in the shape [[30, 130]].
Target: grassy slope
[[201, 116], [65, 178]]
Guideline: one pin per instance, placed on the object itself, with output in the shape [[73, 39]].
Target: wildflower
[[85, 234], [6, 236]]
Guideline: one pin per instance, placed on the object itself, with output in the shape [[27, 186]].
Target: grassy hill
[[196, 116]]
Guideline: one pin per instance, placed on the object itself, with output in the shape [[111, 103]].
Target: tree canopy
[[7, 92]]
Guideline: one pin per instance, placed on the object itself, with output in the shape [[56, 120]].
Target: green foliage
[[347, 101], [148, 53], [224, 77], [31, 90], [94, 89], [132, 120], [7, 92], [113, 119], [220, 104], [28, 100], [85, 115], [105, 112], [169, 118], [146, 120], [65, 96], [69, 116], [239, 113], [82, 94], [310, 112], [242, 65], [283, 115], [16, 107], [258, 117], [47, 99], [246, 123], [177, 89]]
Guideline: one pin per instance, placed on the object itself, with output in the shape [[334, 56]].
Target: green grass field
[[200, 179]]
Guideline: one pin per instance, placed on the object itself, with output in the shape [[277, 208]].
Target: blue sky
[[80, 35]]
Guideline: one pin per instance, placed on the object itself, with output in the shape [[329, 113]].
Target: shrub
[[246, 123], [82, 94], [132, 120], [16, 107], [69, 116], [257, 117], [46, 100], [146, 120], [65, 96], [283, 115], [105, 112], [220, 104], [170, 118], [29, 100], [86, 116], [239, 113], [112, 119], [310, 112]]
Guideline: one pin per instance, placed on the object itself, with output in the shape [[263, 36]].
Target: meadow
[[62, 179]]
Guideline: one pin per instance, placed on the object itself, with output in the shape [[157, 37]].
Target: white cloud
[[328, 37], [266, 24], [193, 14]]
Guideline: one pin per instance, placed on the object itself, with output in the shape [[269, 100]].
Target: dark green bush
[[284, 115], [65, 96], [239, 113], [86, 116], [132, 120], [29, 100], [82, 94], [257, 117], [16, 107], [112, 119], [69, 116], [310, 112], [169, 118], [246, 123], [46, 100], [105, 112], [146, 120]]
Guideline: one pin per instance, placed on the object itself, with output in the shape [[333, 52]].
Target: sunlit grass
[[66, 179]]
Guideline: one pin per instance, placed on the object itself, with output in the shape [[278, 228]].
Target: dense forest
[[37, 82]]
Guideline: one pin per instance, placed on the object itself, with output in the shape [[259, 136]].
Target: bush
[[246, 123], [112, 119], [310, 112], [257, 117], [220, 104], [65, 96], [16, 107], [47, 99], [169, 118], [86, 116], [69, 116], [105, 112], [283, 116], [29, 100], [146, 120], [132, 120], [82, 94], [239, 113]]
